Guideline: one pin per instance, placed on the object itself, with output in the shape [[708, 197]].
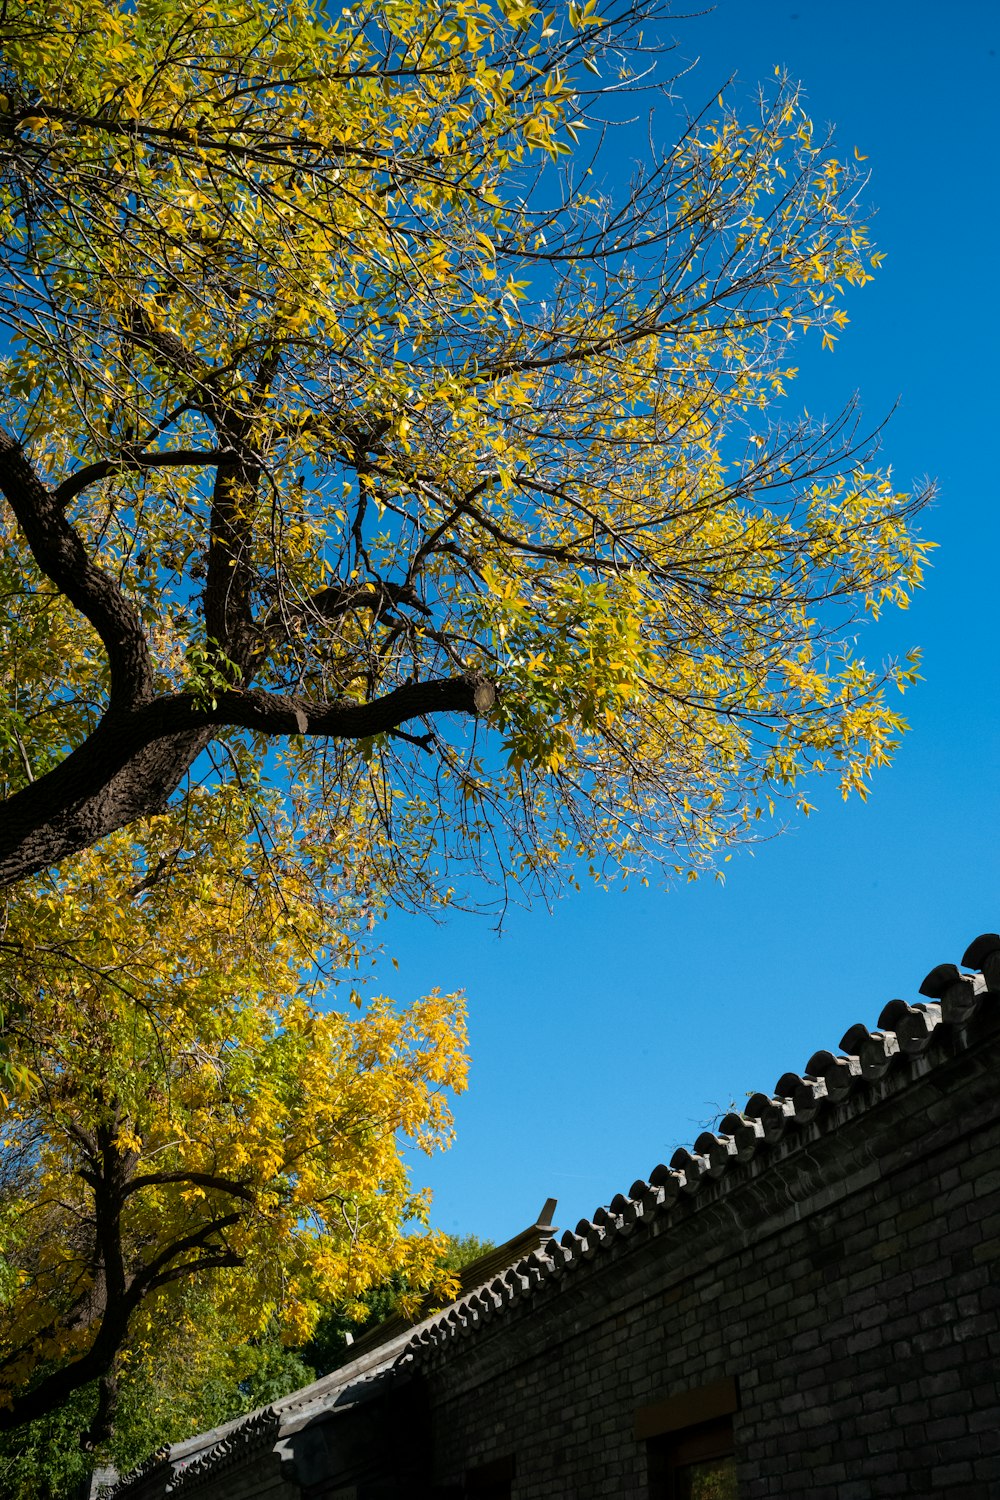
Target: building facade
[[804, 1304]]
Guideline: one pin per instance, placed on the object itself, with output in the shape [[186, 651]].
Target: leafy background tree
[[328, 1347], [190, 1116], [196, 1374]]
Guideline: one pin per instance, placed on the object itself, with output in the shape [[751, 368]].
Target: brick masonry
[[852, 1290]]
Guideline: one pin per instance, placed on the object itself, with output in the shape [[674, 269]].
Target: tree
[[327, 1347], [197, 1375], [346, 419], [186, 1117]]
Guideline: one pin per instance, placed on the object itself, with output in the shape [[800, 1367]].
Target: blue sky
[[615, 1027]]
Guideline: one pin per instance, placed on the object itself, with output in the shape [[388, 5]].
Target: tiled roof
[[181, 1467], [904, 1044], [255, 1433], [471, 1277]]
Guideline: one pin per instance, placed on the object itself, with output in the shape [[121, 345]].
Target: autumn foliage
[[184, 1107], [340, 413], [384, 494]]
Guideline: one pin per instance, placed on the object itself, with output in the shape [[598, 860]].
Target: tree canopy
[[186, 1119], [353, 418]]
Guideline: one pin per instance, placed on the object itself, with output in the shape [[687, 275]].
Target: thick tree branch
[[136, 758], [55, 1388], [197, 1179], [96, 1362], [103, 1419], [277, 713], [220, 1260], [116, 1292], [63, 558], [162, 1269], [229, 573], [259, 147], [333, 602], [168, 349], [99, 787], [337, 600]]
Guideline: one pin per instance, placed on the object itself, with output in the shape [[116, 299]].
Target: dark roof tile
[[661, 1175], [630, 1216], [851, 1041], [559, 1254], [940, 980], [837, 1073], [746, 1134], [807, 1095], [961, 998], [771, 1113], [651, 1198], [890, 1014], [981, 950], [912, 1024], [876, 1053], [693, 1167]]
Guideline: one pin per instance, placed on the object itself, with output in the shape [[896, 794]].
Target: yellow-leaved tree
[[186, 1116], [345, 420]]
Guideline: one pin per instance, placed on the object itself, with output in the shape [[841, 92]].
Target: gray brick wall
[[849, 1280]]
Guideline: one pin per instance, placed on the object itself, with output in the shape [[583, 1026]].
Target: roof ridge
[[235, 1440], [905, 1032]]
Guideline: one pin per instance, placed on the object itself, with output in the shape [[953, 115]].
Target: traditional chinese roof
[[476, 1274], [908, 1042]]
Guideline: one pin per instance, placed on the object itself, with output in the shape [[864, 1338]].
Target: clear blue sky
[[611, 1030]]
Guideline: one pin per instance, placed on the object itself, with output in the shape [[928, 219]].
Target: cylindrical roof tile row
[[904, 1032]]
